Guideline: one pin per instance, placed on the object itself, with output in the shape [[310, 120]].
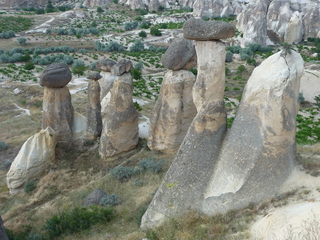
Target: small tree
[[142, 34], [136, 74], [137, 46], [155, 31], [78, 70], [22, 41], [29, 66], [100, 10]]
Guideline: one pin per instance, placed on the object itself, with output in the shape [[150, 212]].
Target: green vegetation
[[14, 23]]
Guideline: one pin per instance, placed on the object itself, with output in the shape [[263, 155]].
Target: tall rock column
[[120, 131], [184, 184], [258, 153], [107, 76], [58, 112], [94, 121], [174, 109]]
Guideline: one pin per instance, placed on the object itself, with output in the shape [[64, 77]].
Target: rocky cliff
[[6, 4]]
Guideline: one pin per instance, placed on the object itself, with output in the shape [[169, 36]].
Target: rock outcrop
[[3, 234], [58, 112], [119, 118], [173, 111], [107, 80], [93, 3], [32, 160], [258, 152], [94, 197], [94, 121], [184, 184]]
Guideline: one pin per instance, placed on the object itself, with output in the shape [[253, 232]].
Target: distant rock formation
[[174, 109], [93, 3], [58, 112], [183, 186], [3, 234], [258, 152], [119, 116], [23, 3], [32, 160], [94, 121]]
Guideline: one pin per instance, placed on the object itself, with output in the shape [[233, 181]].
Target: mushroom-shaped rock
[[123, 66], [95, 76], [200, 30], [56, 75], [105, 65], [181, 54]]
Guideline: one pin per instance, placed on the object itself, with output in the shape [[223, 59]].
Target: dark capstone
[[3, 234], [95, 76], [181, 54], [56, 75], [94, 197], [105, 65], [200, 30]]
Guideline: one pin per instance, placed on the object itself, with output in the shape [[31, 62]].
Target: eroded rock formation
[[119, 117], [94, 121], [183, 186], [107, 79], [32, 160], [58, 112]]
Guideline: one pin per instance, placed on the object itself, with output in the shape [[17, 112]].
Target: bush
[[100, 10], [130, 25], [78, 70], [22, 41], [301, 98], [7, 34], [137, 46], [254, 47], [251, 61], [155, 31], [139, 65], [25, 58], [229, 56], [94, 31], [3, 146], [153, 165], [136, 73], [142, 34], [114, 46], [241, 69], [234, 49], [110, 200], [30, 186], [29, 66], [122, 173], [76, 220]]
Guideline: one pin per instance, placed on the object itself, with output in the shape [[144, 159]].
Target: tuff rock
[[105, 65], [106, 83], [56, 75], [33, 159], [94, 197], [173, 111]]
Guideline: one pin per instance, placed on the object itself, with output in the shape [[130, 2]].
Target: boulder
[[310, 85], [105, 65], [200, 30], [95, 76], [3, 234], [56, 75], [94, 121], [33, 159], [258, 153], [173, 112], [119, 119], [58, 112], [94, 197], [123, 66], [181, 54], [185, 182]]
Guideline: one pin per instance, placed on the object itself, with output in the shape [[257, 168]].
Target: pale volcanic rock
[[58, 112], [120, 119], [94, 121], [105, 65], [56, 75], [181, 54], [123, 66], [185, 182], [209, 8], [106, 83], [257, 155], [33, 159], [311, 22], [173, 111], [94, 3], [200, 30]]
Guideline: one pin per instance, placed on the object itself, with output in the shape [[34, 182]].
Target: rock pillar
[[184, 184]]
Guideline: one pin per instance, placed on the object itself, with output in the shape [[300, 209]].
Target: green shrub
[[22, 41], [100, 10], [75, 220], [137, 46], [3, 146], [130, 25], [136, 73], [301, 98], [122, 173], [153, 165], [30, 186], [142, 34], [110, 200], [241, 69], [137, 106], [29, 66], [78, 70], [229, 56], [155, 31]]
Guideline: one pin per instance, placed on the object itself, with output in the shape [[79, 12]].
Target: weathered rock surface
[[58, 112], [93, 3], [258, 152], [56, 75], [311, 21], [200, 30], [106, 83], [94, 121], [185, 182], [95, 76], [123, 66], [79, 126], [173, 112], [32, 160], [119, 118], [216, 8], [310, 85], [105, 65], [181, 54], [94, 197], [3, 234]]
